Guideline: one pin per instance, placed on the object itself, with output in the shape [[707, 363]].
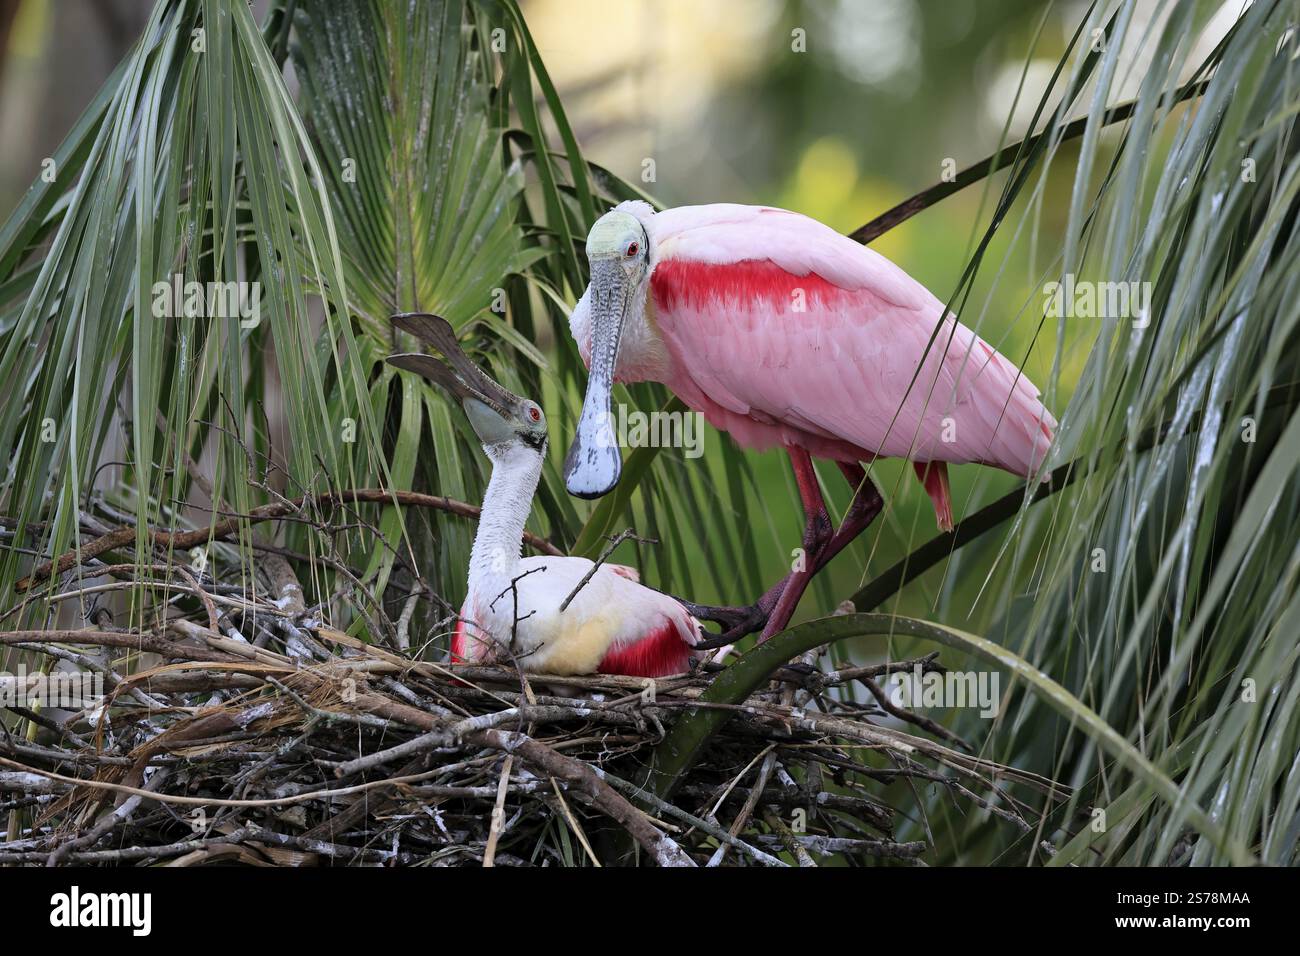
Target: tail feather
[[1020, 428], [934, 475]]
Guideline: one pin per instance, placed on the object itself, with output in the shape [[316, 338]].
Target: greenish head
[[617, 235], [618, 251]]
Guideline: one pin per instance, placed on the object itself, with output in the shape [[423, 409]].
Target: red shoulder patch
[[762, 282], [657, 654]]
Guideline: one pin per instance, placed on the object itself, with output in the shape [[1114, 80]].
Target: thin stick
[[1004, 157], [573, 824], [498, 813], [215, 801], [613, 543], [712, 829], [184, 540]]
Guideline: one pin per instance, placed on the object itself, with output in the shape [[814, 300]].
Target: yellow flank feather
[[576, 645]]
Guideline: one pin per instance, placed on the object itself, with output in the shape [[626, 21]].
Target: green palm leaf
[[179, 181]]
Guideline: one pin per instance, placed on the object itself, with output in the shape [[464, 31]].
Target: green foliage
[[1154, 576], [1198, 532], [173, 171], [389, 182], [1143, 604]]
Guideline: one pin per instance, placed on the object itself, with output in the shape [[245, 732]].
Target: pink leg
[[816, 536], [862, 510]]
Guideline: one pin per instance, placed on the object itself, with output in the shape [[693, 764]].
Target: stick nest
[[306, 747]]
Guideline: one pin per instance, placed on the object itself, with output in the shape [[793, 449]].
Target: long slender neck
[[494, 559]]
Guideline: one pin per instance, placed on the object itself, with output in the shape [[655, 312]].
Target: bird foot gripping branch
[[737, 622]]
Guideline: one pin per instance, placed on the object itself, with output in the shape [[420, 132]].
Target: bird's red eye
[[632, 248], [535, 413]]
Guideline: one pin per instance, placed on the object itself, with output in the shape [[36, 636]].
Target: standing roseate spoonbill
[[613, 624], [785, 333]]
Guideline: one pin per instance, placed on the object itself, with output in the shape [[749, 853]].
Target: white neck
[[494, 560]]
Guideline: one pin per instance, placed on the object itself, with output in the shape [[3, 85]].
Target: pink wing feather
[[785, 332]]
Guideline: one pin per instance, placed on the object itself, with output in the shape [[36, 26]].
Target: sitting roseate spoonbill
[[613, 624], [785, 333]]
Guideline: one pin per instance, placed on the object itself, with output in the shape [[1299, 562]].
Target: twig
[[498, 812], [934, 727], [404, 621], [793, 846], [184, 540], [1004, 157], [574, 825], [712, 829], [614, 543], [827, 846]]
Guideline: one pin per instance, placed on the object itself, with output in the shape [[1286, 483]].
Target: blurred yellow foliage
[[828, 186]]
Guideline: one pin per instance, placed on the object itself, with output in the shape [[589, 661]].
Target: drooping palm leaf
[[1197, 532], [198, 167], [1182, 641], [1162, 583]]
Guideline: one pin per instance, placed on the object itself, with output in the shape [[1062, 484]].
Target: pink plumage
[[785, 333]]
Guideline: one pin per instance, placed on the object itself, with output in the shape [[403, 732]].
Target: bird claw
[[740, 627], [731, 618], [711, 640]]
